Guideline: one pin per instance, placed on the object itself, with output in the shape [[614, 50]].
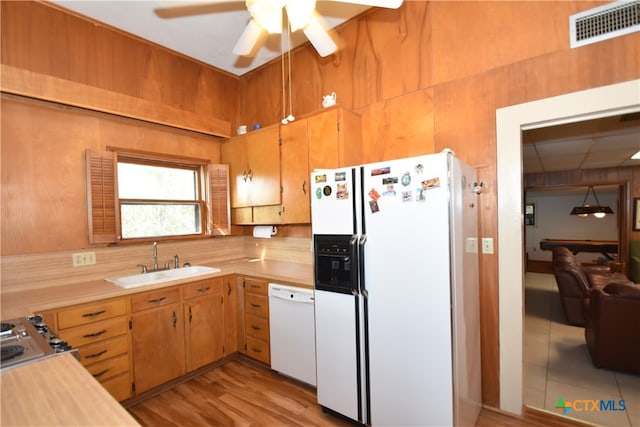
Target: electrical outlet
[[83, 258], [487, 245]]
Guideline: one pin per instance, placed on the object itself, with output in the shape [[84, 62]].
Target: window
[[159, 199], [135, 195]]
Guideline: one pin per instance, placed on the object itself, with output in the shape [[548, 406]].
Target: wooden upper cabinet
[[335, 139], [294, 151], [254, 167]]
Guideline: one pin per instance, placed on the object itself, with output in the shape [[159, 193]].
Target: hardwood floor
[[244, 393]]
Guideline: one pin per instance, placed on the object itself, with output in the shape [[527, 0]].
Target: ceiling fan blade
[[319, 37], [389, 4], [202, 8], [248, 39]]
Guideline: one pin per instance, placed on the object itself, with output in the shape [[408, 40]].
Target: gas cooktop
[[25, 340]]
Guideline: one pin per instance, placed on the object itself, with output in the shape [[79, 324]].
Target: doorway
[[510, 122]]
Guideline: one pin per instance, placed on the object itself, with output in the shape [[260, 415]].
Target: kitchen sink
[[151, 278]]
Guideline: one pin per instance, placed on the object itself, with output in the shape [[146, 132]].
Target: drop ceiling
[[208, 36], [599, 143]]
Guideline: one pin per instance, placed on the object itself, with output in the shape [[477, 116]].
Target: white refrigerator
[[396, 292]]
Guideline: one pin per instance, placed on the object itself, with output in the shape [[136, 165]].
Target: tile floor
[[557, 363]]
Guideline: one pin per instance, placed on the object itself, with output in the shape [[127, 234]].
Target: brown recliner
[[612, 329], [575, 281]]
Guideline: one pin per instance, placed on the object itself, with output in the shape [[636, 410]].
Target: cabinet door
[[234, 154], [204, 320], [263, 152], [323, 140], [295, 173], [158, 346], [230, 302]]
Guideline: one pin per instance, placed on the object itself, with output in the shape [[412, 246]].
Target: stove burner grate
[[11, 351]]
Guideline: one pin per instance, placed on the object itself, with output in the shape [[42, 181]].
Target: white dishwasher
[[292, 332]]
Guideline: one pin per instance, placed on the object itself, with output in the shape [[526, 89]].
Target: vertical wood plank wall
[[424, 77]]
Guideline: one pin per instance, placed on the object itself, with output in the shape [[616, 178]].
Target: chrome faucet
[[155, 256]]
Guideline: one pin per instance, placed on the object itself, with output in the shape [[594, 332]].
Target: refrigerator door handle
[[361, 243], [354, 263]]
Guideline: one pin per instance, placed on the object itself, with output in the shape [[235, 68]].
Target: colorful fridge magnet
[[407, 196], [390, 191], [327, 190], [431, 183], [342, 192], [374, 194], [380, 171], [373, 205], [318, 193], [321, 178], [340, 176], [406, 179]]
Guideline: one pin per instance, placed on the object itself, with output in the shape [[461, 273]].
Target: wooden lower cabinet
[[256, 319], [100, 332], [157, 326], [204, 322]]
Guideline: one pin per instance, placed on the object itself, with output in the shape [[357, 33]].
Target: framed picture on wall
[[636, 214], [529, 214]]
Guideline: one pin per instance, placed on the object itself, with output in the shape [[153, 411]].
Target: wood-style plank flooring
[[244, 393]]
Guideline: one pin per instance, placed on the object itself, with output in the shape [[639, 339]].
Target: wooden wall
[[431, 75], [51, 54], [424, 77]]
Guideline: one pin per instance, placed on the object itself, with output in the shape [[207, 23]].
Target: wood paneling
[[108, 70], [43, 172]]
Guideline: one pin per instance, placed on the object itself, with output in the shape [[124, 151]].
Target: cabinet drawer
[[88, 313], [257, 327], [109, 368], [153, 299], [87, 334], [119, 387], [102, 350], [256, 305], [256, 286], [258, 349], [202, 287]]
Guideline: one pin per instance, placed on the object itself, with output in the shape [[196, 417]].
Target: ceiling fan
[[267, 16]]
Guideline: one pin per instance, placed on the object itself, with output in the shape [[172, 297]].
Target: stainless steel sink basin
[[144, 279]]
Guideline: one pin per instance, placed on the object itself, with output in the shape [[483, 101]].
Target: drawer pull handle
[[175, 319], [156, 300], [228, 289], [257, 350], [257, 328], [95, 334], [190, 314], [94, 314], [99, 374], [94, 355], [205, 289], [255, 305], [255, 286]]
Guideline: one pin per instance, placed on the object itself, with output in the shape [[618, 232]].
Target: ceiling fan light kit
[[266, 15]]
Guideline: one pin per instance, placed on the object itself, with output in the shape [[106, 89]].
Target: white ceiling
[[599, 143], [208, 37]]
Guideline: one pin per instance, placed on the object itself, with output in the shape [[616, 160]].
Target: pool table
[[605, 247]]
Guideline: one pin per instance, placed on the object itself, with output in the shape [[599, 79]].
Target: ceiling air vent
[[604, 22]]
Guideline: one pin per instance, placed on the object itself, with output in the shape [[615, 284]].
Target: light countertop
[[58, 391], [22, 303]]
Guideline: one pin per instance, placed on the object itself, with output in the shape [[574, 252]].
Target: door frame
[[588, 104]]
